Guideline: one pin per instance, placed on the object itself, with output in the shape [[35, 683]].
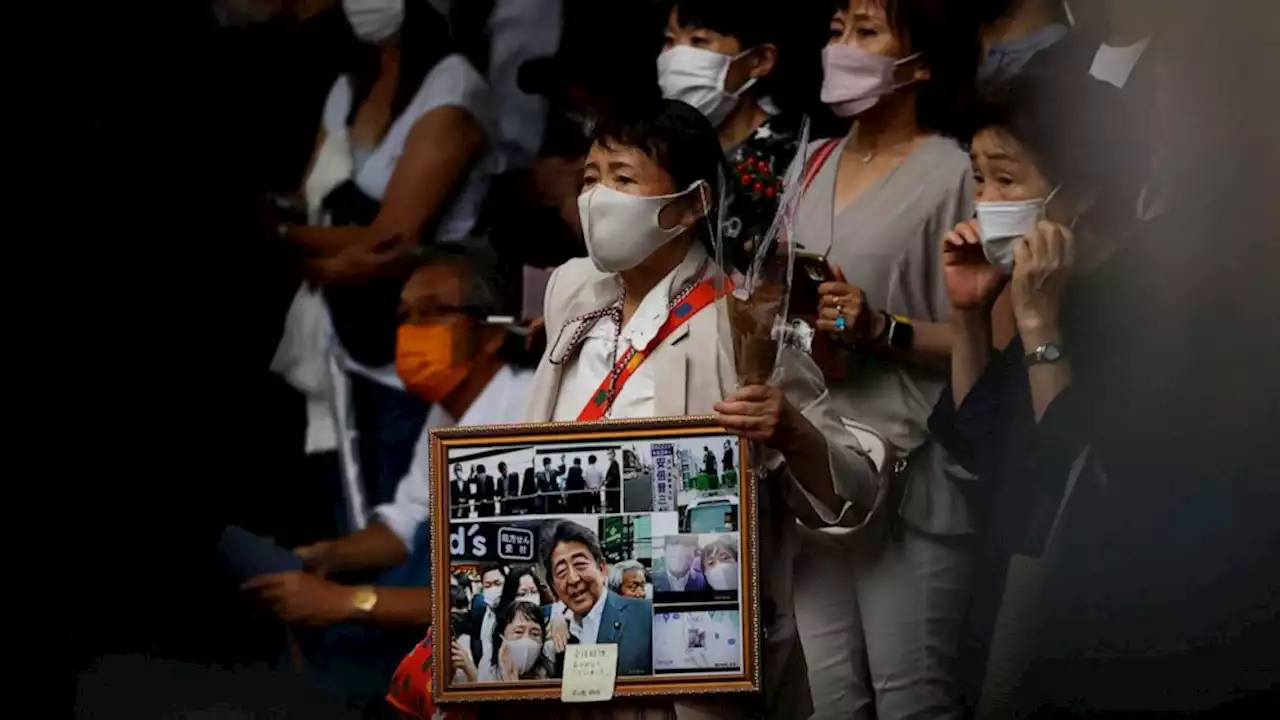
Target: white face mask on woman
[[374, 20], [854, 80], [697, 76], [1003, 223], [531, 598], [723, 576], [523, 652], [622, 230]]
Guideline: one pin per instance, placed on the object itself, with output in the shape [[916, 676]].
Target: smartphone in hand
[[810, 271]]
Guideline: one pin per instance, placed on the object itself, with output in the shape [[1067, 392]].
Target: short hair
[[577, 461], [563, 531], [484, 289], [1077, 131], [946, 34], [619, 570], [679, 139], [479, 468], [797, 33], [502, 463], [546, 460], [726, 543], [591, 458], [487, 568], [506, 614]]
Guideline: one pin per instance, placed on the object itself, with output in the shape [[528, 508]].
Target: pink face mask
[[854, 80]]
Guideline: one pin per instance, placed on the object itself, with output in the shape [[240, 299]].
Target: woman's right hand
[[462, 661], [973, 283], [559, 633]]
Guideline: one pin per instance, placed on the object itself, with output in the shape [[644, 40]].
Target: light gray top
[[888, 242]]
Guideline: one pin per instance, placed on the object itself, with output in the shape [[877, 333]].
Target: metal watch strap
[[1044, 354]]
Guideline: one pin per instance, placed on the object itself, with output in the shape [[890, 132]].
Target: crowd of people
[[974, 499]]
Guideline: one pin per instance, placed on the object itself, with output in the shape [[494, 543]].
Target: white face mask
[[622, 230], [696, 76], [492, 595], [648, 591], [1003, 223], [679, 559], [723, 576], [531, 598], [374, 20], [524, 653]]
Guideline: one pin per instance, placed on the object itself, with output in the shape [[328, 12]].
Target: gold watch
[[365, 599]]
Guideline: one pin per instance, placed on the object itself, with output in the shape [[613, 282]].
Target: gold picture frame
[[694, 621]]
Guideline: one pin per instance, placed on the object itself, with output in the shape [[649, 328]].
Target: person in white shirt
[[404, 157], [595, 481], [446, 353]]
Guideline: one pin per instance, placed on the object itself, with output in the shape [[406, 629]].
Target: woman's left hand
[[1042, 261], [843, 311], [507, 668], [758, 412]]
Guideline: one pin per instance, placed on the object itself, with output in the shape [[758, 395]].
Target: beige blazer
[[697, 370]]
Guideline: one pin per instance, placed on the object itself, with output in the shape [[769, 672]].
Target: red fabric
[[700, 297], [410, 690], [816, 161]]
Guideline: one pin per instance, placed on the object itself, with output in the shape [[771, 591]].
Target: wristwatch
[[365, 599], [1047, 353], [898, 334]]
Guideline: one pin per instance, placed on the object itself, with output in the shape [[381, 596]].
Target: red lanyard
[[702, 295]]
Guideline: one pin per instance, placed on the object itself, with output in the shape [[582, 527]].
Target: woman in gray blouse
[[885, 599]]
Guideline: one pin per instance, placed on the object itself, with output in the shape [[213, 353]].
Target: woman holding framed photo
[[640, 329]]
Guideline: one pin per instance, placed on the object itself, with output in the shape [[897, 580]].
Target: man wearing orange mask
[[447, 353]]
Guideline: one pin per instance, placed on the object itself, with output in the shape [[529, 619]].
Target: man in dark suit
[[574, 561], [528, 491], [548, 493], [575, 484], [459, 494], [509, 490], [485, 492], [613, 484]]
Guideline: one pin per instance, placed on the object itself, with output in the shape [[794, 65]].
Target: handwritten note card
[[589, 673]]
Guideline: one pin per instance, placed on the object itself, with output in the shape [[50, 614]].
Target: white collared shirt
[[502, 401], [593, 477], [677, 583], [588, 631], [595, 359]]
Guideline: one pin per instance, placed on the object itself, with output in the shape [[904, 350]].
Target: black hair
[[565, 531], [458, 598], [577, 461], [679, 139], [479, 468], [591, 458], [487, 568], [1076, 129], [501, 464], [511, 587], [508, 613], [424, 42], [797, 32], [546, 460], [945, 33]]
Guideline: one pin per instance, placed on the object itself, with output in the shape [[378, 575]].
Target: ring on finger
[[840, 321]]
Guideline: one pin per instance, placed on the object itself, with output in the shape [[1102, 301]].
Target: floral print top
[[758, 165]]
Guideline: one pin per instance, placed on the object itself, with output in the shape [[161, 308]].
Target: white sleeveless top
[[453, 82]]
